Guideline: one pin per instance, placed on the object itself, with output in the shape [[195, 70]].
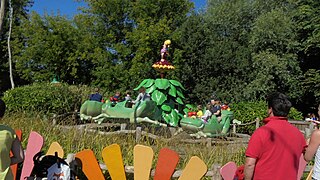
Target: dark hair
[[2, 108], [128, 92], [279, 103], [142, 89]]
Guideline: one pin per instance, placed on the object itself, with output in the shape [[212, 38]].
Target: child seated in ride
[[128, 96], [128, 99], [200, 112], [143, 96], [207, 114], [225, 106], [115, 99]]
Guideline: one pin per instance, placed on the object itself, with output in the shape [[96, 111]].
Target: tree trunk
[[9, 49], [2, 13]]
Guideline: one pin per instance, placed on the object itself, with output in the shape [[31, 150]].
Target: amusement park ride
[[163, 108]]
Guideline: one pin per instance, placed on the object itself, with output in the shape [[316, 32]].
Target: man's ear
[[270, 112]]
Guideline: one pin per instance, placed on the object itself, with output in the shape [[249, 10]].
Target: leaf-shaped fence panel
[[176, 83], [162, 83], [141, 84], [172, 91], [158, 97]]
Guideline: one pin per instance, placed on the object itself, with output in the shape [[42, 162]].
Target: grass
[[73, 141]]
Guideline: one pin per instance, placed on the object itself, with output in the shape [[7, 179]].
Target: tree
[[20, 12], [273, 43], [131, 32], [53, 45], [9, 48], [2, 13], [306, 17]]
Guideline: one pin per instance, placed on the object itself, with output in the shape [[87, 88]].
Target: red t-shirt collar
[[274, 118]]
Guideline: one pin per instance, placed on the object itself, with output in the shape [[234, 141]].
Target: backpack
[[44, 163], [239, 173]]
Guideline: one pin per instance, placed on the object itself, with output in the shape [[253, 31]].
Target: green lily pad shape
[[158, 97], [179, 100], [166, 108], [176, 83], [141, 84], [172, 91], [180, 94], [162, 83], [151, 89]]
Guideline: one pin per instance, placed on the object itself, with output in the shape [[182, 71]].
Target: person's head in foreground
[[278, 104]]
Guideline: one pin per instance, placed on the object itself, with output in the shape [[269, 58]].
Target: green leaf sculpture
[[162, 83], [176, 83], [172, 91], [166, 94], [158, 97], [141, 84], [149, 83], [180, 94], [151, 89], [179, 100], [166, 108], [174, 118]]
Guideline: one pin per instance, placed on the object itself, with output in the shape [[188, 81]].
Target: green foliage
[[311, 86], [247, 112], [164, 93], [306, 17], [46, 98], [240, 50], [54, 46]]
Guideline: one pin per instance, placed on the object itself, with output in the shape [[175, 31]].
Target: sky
[[70, 7]]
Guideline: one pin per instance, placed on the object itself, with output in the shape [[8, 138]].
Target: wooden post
[[172, 131], [138, 134], [234, 126], [123, 126], [311, 126], [54, 119], [209, 142], [307, 133], [257, 123], [216, 172], [74, 115]]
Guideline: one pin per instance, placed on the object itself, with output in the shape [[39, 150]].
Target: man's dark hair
[[2, 108], [279, 103]]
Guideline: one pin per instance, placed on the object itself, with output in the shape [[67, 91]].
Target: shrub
[[46, 98], [247, 112]]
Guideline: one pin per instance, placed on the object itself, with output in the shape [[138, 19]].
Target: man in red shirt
[[274, 149]]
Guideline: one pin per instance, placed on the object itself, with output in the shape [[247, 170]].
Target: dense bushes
[[46, 98], [248, 111]]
